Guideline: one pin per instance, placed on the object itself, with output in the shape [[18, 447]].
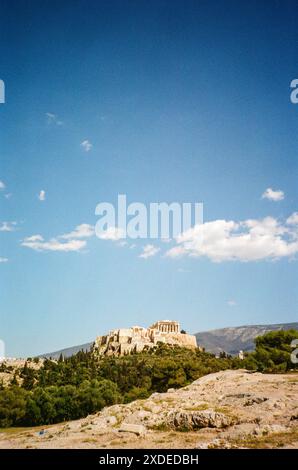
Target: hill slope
[[67, 352], [232, 408]]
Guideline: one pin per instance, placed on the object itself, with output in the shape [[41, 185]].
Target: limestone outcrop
[[137, 338], [212, 413], [188, 420]]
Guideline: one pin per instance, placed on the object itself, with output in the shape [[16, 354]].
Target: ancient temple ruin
[[126, 340], [166, 326]]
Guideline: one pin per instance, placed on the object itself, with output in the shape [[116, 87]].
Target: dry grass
[[269, 441], [202, 407]]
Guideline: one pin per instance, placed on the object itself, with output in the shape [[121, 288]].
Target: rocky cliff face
[[127, 340]]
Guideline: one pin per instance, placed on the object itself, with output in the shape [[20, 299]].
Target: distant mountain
[[233, 339], [67, 352]]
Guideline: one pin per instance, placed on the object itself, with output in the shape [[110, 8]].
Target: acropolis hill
[[127, 340]]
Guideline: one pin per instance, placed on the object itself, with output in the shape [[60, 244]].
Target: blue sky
[[180, 101]]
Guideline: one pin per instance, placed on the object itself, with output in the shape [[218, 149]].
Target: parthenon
[[166, 326]]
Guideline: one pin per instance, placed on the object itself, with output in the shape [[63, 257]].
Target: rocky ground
[[229, 409]]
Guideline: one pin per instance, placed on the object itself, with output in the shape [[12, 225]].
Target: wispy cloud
[[86, 145], [72, 241], [293, 219], [42, 195], [250, 240], [7, 226], [2, 188], [53, 119], [37, 243], [273, 195], [81, 231], [34, 238], [3, 260], [149, 251], [112, 233], [232, 303]]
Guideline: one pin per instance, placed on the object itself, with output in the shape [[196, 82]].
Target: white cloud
[[3, 260], [86, 145], [42, 195], [53, 119], [2, 185], [231, 303], [112, 233], [273, 195], [250, 240], [81, 231], [73, 241], [148, 251], [34, 238], [37, 243], [293, 219], [8, 195], [7, 226]]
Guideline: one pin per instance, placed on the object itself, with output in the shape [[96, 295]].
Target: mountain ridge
[[233, 339]]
